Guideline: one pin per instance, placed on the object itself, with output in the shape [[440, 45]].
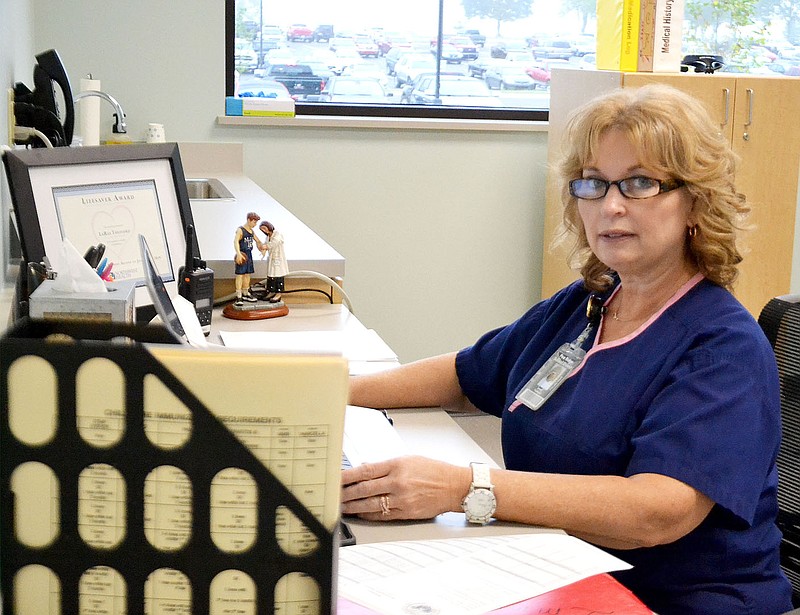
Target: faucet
[[119, 123]]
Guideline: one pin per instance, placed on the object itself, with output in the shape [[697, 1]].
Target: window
[[506, 48]]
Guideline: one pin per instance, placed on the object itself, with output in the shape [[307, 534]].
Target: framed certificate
[[103, 194]]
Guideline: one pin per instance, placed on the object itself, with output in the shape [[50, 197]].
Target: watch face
[[480, 504]]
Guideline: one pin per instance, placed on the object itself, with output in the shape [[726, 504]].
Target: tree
[[585, 9], [787, 11], [499, 10], [728, 28]]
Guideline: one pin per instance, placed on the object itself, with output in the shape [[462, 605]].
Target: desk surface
[[301, 317], [431, 432]]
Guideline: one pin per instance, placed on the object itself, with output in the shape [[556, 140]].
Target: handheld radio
[[196, 283]]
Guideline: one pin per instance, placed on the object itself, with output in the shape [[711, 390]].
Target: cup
[[155, 133]]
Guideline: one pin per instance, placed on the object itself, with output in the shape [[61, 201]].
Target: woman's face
[[635, 237]]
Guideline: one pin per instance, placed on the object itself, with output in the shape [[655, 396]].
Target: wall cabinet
[[761, 117]]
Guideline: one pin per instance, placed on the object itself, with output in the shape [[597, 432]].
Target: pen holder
[[110, 502]]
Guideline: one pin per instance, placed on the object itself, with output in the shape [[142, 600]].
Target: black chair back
[[780, 320]]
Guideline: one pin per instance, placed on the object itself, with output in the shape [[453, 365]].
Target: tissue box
[[259, 106], [117, 305]]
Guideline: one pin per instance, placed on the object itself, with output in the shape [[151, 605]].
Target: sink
[[208, 189]]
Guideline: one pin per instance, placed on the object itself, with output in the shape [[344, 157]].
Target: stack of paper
[[465, 576]]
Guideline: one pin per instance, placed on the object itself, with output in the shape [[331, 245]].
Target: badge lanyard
[[550, 376]]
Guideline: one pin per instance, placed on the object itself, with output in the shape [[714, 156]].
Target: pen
[[107, 275], [101, 266]]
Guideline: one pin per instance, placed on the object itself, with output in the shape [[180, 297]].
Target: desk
[[430, 432], [433, 433]]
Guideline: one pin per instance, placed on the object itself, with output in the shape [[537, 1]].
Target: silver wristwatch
[[479, 504]]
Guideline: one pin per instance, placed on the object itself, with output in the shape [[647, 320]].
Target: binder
[[618, 34], [134, 475]]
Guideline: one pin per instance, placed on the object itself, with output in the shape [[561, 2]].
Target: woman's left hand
[[403, 488]]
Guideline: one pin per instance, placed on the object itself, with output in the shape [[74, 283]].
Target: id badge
[[551, 375]]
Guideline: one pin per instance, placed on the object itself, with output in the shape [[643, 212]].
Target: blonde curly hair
[[675, 136]]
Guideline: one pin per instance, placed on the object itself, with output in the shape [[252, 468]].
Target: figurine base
[[255, 311]]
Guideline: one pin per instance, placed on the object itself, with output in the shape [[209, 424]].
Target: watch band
[[481, 476]]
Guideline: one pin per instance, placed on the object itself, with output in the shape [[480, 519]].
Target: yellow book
[[618, 34], [629, 52], [609, 34]]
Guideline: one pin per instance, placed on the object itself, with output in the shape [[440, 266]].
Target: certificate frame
[[51, 187]]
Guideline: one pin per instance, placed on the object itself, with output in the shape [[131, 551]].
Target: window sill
[[387, 123]]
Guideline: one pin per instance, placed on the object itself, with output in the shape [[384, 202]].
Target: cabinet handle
[[727, 97], [750, 100]]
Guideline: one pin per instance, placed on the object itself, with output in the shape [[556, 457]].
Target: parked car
[[323, 33], [341, 42], [476, 36], [393, 56], [405, 94], [299, 79], [392, 40], [282, 55], [509, 77], [365, 46], [344, 89], [450, 53], [454, 90], [321, 69], [502, 47], [411, 65], [271, 38], [345, 57], [557, 63], [525, 57], [553, 49], [299, 32], [367, 70], [478, 67], [540, 75], [464, 44]]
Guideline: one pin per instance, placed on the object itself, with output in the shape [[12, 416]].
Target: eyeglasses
[[638, 187]]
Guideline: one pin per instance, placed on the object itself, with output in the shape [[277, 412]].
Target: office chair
[[780, 320]]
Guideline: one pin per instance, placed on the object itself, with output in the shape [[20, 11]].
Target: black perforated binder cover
[[210, 448]]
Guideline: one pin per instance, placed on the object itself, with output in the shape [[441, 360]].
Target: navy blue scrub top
[[692, 394]]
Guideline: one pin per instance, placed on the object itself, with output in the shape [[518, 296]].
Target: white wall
[[16, 64], [441, 230]]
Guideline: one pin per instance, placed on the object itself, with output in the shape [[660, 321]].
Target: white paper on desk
[[370, 437], [363, 345], [465, 576]]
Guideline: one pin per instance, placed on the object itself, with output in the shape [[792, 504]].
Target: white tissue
[[75, 275], [89, 107]]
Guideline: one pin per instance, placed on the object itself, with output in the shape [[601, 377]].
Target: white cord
[[305, 274], [25, 132], [324, 278]]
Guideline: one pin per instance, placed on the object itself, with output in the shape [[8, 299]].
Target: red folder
[[598, 594]]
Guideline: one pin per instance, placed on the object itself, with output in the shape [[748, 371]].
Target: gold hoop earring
[[693, 231]]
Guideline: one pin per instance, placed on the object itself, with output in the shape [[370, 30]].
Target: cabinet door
[[766, 135], [717, 92]]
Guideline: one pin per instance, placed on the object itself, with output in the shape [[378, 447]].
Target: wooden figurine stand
[[255, 311]]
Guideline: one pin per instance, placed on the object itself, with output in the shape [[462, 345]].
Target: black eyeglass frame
[[666, 185]]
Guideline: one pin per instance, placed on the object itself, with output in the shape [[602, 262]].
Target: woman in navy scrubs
[[648, 424]]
